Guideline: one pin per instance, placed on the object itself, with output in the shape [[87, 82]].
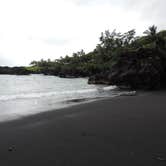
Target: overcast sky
[[35, 29]]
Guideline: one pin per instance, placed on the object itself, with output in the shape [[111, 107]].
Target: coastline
[[125, 130]]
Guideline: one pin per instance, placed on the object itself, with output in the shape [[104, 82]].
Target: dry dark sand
[[123, 131]]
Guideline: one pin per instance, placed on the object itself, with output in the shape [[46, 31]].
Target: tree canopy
[[112, 49]]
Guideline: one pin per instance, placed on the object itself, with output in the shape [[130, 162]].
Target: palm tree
[[152, 35], [152, 31]]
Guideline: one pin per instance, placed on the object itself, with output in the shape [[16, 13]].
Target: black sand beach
[[127, 130]]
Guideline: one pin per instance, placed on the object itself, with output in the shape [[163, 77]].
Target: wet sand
[[126, 130]]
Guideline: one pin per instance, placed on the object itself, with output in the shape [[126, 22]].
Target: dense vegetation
[[80, 64], [119, 59]]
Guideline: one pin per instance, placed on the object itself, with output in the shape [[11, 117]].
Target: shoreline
[[67, 104], [125, 130], [19, 112]]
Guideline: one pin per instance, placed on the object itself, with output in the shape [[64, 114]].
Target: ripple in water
[[25, 95]]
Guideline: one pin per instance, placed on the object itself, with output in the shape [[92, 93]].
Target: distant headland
[[138, 62]]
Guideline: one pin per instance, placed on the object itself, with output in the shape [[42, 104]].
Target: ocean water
[[21, 96]]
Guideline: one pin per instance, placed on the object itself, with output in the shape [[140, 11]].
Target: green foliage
[[106, 54], [33, 69], [151, 31]]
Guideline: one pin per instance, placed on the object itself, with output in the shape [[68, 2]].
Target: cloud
[[35, 29], [55, 41], [153, 10], [5, 61]]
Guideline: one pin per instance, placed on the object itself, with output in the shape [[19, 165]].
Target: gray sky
[[35, 29]]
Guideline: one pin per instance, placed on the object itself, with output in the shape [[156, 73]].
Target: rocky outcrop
[[139, 69], [14, 70], [101, 78]]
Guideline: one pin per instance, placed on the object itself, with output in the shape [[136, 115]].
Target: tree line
[[115, 51]]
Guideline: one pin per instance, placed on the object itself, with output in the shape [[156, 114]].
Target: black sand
[[124, 131]]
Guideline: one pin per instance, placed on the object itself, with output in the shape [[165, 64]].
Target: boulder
[[14, 70]]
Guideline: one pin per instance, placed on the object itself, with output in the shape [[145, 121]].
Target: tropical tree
[[152, 31]]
